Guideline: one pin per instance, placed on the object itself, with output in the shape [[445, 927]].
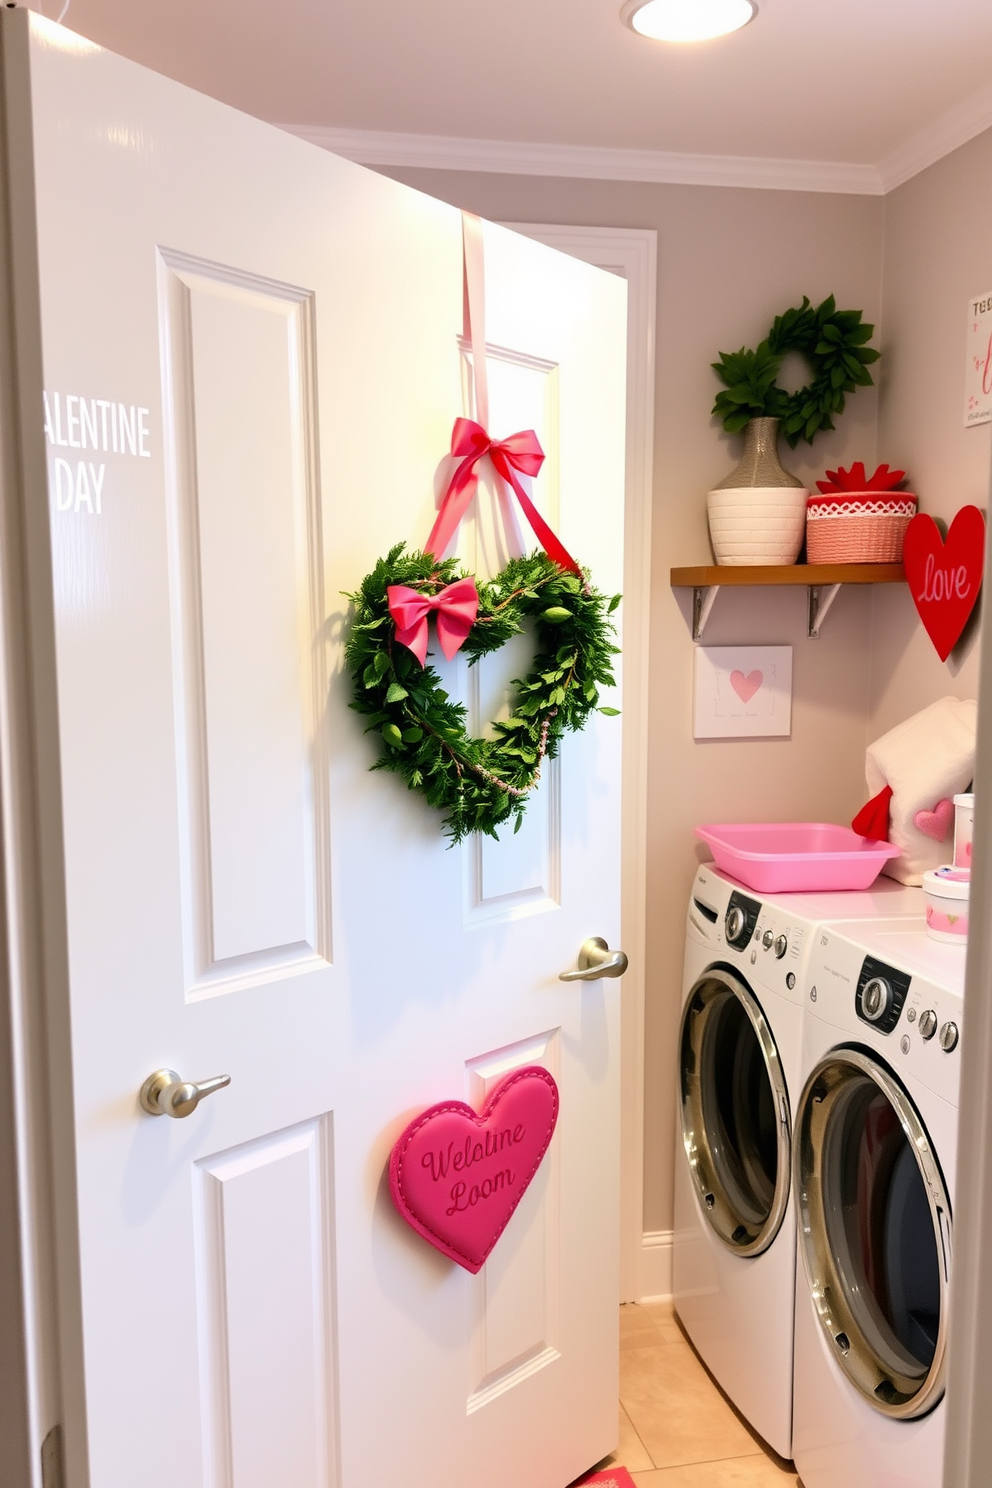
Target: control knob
[[876, 999], [734, 923], [781, 946], [949, 1037], [767, 939], [928, 1024]]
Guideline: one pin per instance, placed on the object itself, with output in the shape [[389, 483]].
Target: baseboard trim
[[656, 1266]]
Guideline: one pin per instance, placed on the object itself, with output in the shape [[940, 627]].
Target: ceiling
[[879, 86]]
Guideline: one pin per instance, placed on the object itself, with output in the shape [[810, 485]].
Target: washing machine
[[874, 1161], [739, 1064]]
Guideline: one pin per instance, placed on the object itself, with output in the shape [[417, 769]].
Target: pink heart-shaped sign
[[457, 1177], [936, 823], [746, 687], [945, 576]]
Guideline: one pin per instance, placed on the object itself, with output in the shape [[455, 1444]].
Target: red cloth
[[613, 1477], [872, 820]]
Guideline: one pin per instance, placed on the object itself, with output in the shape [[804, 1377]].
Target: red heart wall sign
[[945, 576], [457, 1177]]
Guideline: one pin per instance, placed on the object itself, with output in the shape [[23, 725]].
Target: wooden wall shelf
[[822, 582]]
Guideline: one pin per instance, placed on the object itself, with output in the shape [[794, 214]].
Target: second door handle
[[596, 960]]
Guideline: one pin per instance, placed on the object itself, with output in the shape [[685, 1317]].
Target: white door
[[251, 366]]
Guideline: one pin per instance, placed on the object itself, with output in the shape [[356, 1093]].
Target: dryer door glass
[[735, 1112], [875, 1226]]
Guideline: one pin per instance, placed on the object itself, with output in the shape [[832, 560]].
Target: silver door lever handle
[[164, 1094], [596, 960]]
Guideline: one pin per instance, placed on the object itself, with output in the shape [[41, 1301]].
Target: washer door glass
[[875, 1226], [735, 1112]]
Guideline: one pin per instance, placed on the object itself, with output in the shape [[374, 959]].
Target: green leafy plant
[[480, 784], [834, 343]]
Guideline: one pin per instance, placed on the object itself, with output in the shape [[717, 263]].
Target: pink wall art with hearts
[[456, 1176], [945, 574]]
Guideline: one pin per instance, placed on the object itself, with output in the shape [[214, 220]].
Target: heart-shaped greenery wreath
[[480, 784]]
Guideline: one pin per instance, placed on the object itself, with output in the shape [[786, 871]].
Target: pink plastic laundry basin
[[787, 857]]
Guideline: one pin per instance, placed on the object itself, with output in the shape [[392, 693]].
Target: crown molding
[[970, 117], [508, 157]]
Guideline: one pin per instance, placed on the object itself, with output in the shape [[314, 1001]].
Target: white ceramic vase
[[758, 513], [757, 524]]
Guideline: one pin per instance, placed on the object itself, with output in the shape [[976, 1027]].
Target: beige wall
[[728, 260], [937, 236]]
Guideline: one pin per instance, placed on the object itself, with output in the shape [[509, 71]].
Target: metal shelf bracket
[[702, 604], [818, 601]]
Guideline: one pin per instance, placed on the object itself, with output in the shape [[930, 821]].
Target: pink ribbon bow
[[456, 608], [523, 452]]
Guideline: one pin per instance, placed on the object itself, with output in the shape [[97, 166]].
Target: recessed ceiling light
[[687, 20]]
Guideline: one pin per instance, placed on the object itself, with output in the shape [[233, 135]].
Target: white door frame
[[34, 1049], [968, 1431], [632, 253]]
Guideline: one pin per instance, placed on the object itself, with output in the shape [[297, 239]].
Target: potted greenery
[[757, 515]]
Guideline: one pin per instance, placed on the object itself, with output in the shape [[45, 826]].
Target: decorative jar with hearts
[[945, 893], [964, 821]]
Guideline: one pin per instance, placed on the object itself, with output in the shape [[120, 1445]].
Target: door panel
[[265, 1212], [282, 332], [239, 370], [515, 1299], [520, 874]]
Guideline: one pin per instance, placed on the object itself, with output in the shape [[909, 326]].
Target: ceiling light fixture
[[686, 20]]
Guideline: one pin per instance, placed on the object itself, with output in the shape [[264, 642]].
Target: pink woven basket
[[858, 527]]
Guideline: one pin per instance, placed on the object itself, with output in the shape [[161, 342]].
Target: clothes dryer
[[875, 1155], [739, 1072]]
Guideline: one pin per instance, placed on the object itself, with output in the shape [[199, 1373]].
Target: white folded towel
[[926, 760]]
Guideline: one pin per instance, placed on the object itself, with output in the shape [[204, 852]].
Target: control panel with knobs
[[740, 920], [949, 1036], [881, 992], [876, 999], [928, 1024]]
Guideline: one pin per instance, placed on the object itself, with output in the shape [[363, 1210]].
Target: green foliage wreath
[[480, 784], [834, 343]]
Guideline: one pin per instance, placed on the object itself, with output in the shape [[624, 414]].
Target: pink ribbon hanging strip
[[456, 608], [470, 441]]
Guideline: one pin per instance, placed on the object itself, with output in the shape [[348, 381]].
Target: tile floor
[[676, 1429]]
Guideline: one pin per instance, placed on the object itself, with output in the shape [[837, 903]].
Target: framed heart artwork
[[742, 692], [944, 574]]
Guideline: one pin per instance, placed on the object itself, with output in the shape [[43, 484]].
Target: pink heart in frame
[[457, 1177], [936, 823], [746, 687]]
